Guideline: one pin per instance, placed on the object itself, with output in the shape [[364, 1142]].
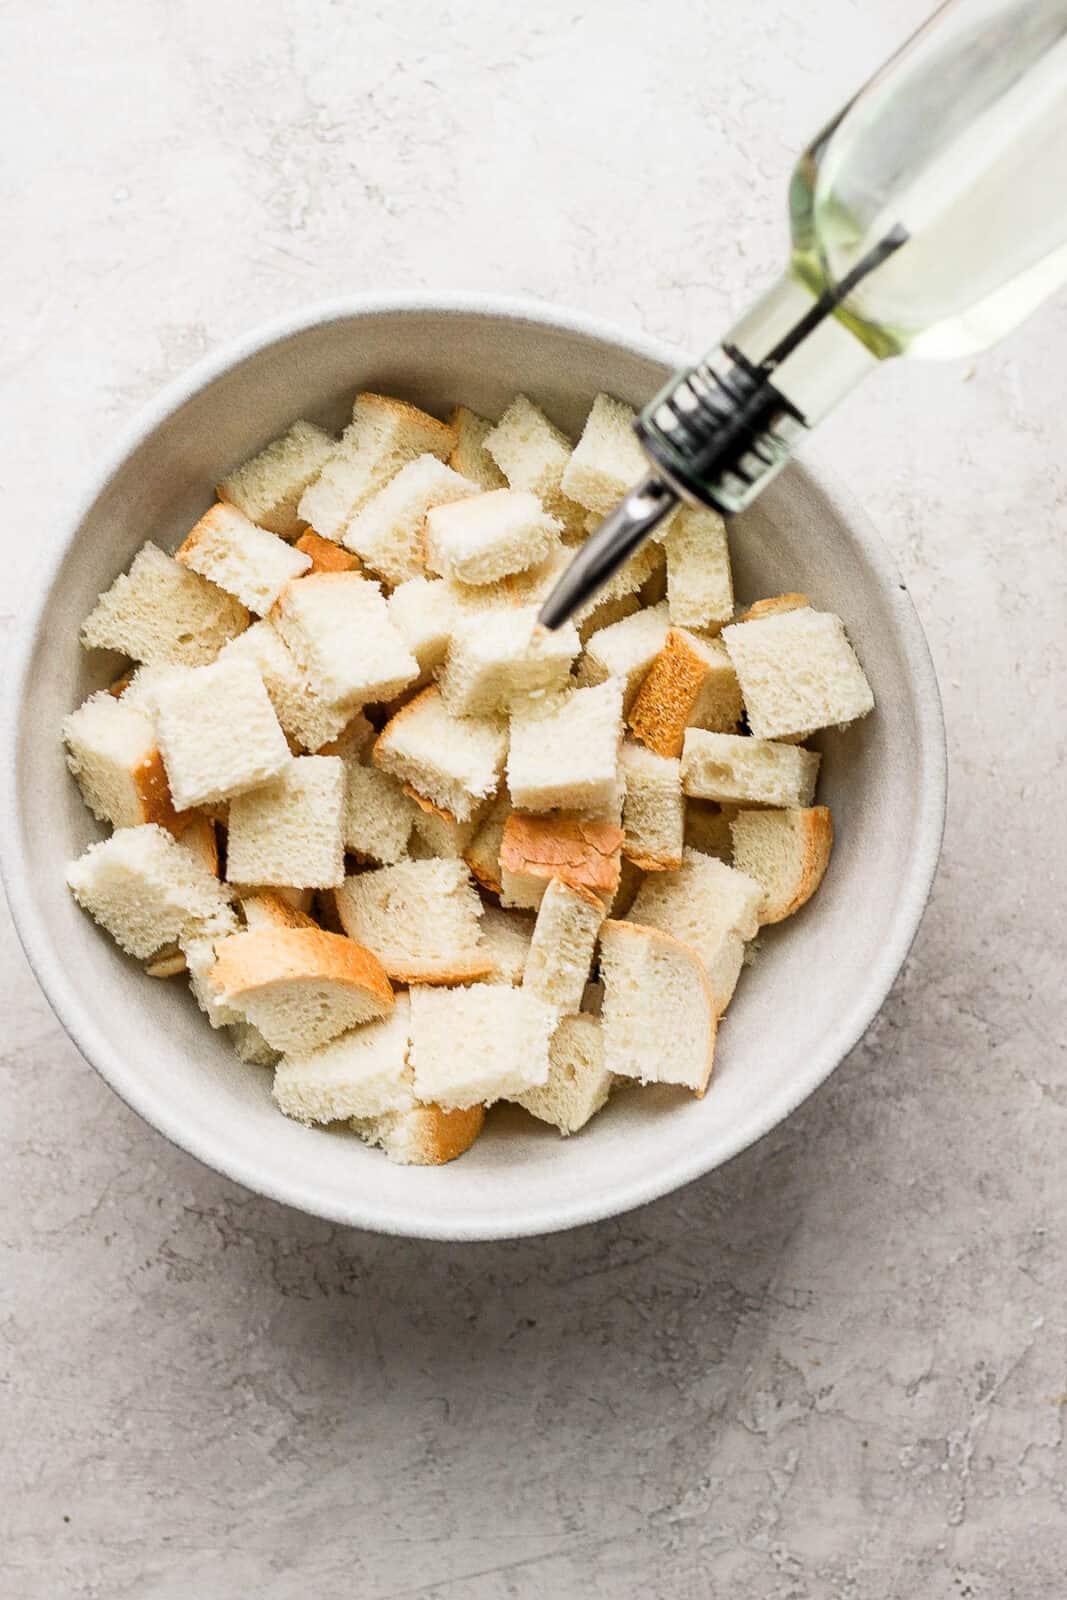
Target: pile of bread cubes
[[416, 855]]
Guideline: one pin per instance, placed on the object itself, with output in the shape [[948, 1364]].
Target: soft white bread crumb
[[300, 986], [564, 938], [482, 854], [389, 533], [267, 488], [690, 682], [423, 611], [359, 1074], [700, 590], [470, 458], [733, 769], [436, 835], [607, 460], [420, 918], [246, 561], [325, 556], [197, 945], [798, 673], [625, 650], [534, 850], [786, 852], [353, 742], [290, 831], [659, 1017], [532, 453], [484, 538], [251, 1047], [137, 691], [478, 1044], [565, 750], [144, 889], [378, 815], [708, 906], [454, 762], [506, 938], [604, 614], [112, 752], [422, 1136], [337, 626], [382, 437], [707, 828], [162, 613], [310, 718], [653, 813], [217, 731], [496, 661], [579, 1080]]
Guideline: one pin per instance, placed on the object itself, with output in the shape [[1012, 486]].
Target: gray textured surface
[[836, 1368]]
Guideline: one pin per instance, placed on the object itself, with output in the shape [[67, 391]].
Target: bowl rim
[[212, 1149]]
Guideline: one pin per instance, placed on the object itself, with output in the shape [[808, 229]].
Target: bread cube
[[337, 626], [267, 488], [564, 938], [269, 908], [326, 556], [455, 763], [481, 539], [506, 937], [438, 835], [700, 590], [144, 889], [362, 1073], [241, 558], [217, 731], [162, 613], [798, 673], [422, 1136], [690, 683], [533, 453], [706, 905], [197, 945], [786, 852], [300, 986], [565, 750], [389, 532], [420, 918], [309, 717], [422, 611], [251, 1047], [607, 460], [469, 457], [112, 752], [599, 614], [625, 650], [707, 828], [478, 1044], [659, 1018], [482, 854], [734, 770], [290, 831], [497, 661], [534, 850], [378, 815], [579, 1079], [653, 813]]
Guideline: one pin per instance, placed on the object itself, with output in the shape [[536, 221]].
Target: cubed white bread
[[162, 613], [434, 835], [267, 488], [625, 650], [691, 682], [485, 537], [420, 918], [217, 731], [290, 831], [660, 1018], [300, 986], [482, 854], [455, 763], [362, 1073], [798, 673], [144, 889], [630, 880], [564, 749], [251, 1047], [607, 460], [422, 1136], [337, 626], [478, 1044], [733, 769], [389, 533], [506, 937], [707, 828], [267, 908], [772, 604], [579, 1079], [700, 589], [310, 718], [706, 905], [534, 850], [423, 612], [653, 813], [604, 614], [469, 457], [382, 437], [497, 661], [786, 852], [197, 945], [325, 556], [137, 690], [112, 752], [240, 557], [378, 815], [561, 952], [533, 453]]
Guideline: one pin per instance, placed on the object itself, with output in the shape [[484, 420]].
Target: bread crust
[[324, 555], [582, 854], [153, 794], [629, 930], [664, 703], [280, 913], [816, 843], [254, 961], [774, 604]]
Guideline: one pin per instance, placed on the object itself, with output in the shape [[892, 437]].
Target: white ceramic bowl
[[819, 979]]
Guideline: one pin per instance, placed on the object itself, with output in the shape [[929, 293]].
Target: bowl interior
[[817, 980]]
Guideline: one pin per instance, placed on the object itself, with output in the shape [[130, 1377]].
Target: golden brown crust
[[153, 794], [254, 961], [277, 911], [326, 556], [444, 1135], [699, 972], [201, 530], [816, 832], [653, 863], [120, 685], [431, 976], [774, 604], [660, 714], [446, 440], [582, 854], [428, 805], [197, 832]]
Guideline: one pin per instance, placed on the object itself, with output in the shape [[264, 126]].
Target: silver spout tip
[[616, 539]]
